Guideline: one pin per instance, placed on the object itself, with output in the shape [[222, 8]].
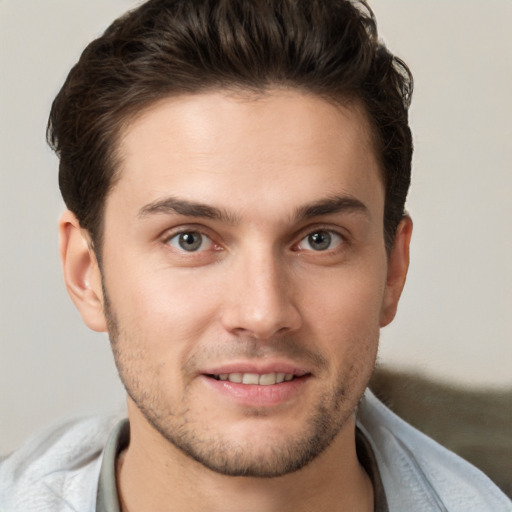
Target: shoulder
[[57, 469], [418, 473]]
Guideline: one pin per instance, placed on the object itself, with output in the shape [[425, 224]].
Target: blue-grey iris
[[320, 241], [190, 241]]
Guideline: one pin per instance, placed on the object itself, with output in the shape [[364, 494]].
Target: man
[[235, 175]]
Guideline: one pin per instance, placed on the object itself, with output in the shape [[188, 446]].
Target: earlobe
[[81, 272], [398, 264]]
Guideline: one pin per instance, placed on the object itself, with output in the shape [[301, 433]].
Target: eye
[[190, 241], [321, 240]]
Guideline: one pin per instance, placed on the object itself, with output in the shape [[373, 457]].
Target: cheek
[[345, 323], [165, 307], [346, 307], [160, 320]]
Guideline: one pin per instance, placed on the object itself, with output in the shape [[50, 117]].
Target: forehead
[[238, 150]]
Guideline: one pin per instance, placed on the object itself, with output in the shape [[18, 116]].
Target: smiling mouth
[[266, 379]]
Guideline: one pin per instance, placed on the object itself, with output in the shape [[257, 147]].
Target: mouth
[[258, 387], [265, 379]]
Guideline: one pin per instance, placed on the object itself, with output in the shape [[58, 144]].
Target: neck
[[153, 475]]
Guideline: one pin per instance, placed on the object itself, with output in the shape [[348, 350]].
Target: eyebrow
[[330, 205], [187, 208], [334, 204]]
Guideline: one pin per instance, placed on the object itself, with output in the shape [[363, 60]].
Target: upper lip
[[260, 368]]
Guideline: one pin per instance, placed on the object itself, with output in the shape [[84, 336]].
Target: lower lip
[[258, 396]]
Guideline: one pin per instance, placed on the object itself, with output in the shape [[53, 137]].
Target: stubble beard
[[223, 455]]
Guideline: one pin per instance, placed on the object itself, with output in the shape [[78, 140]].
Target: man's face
[[244, 242]]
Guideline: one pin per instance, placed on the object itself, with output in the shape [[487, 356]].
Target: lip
[[257, 396], [250, 395]]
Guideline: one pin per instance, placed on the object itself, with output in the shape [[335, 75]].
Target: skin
[[258, 181]]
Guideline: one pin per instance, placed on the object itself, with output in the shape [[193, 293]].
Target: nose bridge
[[261, 303]]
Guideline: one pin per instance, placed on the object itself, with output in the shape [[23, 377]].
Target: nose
[[260, 301]]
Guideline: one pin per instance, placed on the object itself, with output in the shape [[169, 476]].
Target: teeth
[[266, 379], [250, 378]]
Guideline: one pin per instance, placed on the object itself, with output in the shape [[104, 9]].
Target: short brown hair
[[170, 47]]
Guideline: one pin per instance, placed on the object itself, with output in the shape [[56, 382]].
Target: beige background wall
[[455, 319]]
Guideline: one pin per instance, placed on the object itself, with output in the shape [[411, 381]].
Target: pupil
[[320, 240], [190, 241]]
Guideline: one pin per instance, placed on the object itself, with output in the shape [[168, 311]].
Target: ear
[[81, 272], [398, 264]]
